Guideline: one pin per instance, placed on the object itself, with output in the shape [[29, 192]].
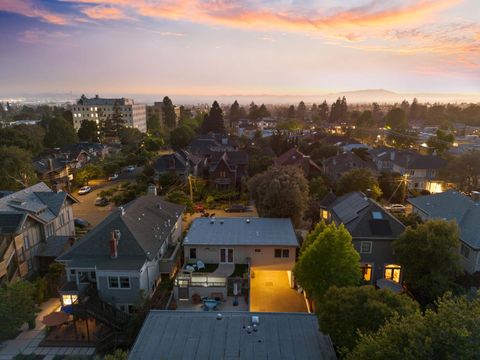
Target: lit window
[[68, 299], [392, 272], [74, 115], [365, 247], [367, 270], [325, 214]]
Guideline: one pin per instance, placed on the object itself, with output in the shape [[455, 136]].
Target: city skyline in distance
[[273, 50]]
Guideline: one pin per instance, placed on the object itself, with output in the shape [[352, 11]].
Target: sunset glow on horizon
[[239, 47]]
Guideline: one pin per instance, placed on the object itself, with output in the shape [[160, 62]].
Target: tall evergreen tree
[[213, 122], [323, 111], [301, 110], [170, 118], [234, 114], [88, 131], [291, 112]]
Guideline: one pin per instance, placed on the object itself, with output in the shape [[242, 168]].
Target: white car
[[84, 190], [130, 168], [113, 177], [396, 208]]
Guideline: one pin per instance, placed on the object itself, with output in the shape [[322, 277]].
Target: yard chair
[[200, 265]]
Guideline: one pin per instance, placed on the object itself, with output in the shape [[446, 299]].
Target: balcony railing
[[170, 261]]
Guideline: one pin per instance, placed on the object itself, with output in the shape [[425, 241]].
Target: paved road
[[86, 208]]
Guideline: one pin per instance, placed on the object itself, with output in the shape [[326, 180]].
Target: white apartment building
[[99, 109]]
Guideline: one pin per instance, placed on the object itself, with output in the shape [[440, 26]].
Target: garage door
[[270, 291]]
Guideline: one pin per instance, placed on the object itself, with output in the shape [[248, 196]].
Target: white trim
[[370, 249], [119, 282]]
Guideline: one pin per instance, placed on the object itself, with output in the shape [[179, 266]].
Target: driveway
[[270, 292]]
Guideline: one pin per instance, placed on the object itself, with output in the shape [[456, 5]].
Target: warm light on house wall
[[392, 272], [69, 299], [434, 187]]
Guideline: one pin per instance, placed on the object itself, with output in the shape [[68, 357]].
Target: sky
[[244, 47]]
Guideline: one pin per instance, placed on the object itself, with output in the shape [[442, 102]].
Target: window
[[124, 282], [83, 277], [377, 215], [113, 282], [325, 214], [365, 247], [392, 272], [50, 229], [258, 250], [193, 253], [282, 253], [62, 219], [367, 270], [72, 272], [465, 251]]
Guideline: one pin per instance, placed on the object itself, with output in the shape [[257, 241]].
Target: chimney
[[114, 243], [152, 189]]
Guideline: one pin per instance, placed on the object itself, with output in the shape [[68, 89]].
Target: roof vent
[[221, 221], [122, 209], [219, 316], [247, 221], [212, 220], [256, 320]]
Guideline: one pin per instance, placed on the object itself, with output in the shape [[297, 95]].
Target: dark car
[[101, 201], [81, 223], [238, 208]]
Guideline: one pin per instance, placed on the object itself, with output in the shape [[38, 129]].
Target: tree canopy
[[181, 137], [429, 256], [59, 132], [88, 131], [28, 137], [17, 169], [451, 331], [345, 311], [464, 171], [359, 179], [213, 122], [280, 192], [169, 116], [328, 260]]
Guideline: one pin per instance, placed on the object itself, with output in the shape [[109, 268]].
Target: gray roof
[[39, 201], [237, 231], [409, 159], [146, 223], [453, 205], [54, 246], [199, 335], [356, 212], [11, 222]]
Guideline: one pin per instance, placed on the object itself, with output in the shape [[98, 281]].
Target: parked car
[[101, 201], [81, 223], [238, 208], [395, 208], [113, 177], [130, 168], [84, 190]]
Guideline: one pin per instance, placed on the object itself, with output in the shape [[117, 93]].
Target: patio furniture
[[209, 304], [190, 269], [200, 265]]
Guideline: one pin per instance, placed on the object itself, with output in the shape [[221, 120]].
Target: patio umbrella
[[55, 318]]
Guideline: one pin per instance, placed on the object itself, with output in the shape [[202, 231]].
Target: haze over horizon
[[228, 49]]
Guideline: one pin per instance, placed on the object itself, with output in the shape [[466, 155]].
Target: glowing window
[[367, 270], [392, 272]]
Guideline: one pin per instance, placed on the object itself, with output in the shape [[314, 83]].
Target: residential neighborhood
[[231, 180]]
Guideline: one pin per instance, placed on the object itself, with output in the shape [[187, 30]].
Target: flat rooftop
[[200, 335], [241, 231]]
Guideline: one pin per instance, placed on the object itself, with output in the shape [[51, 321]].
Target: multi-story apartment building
[[35, 221], [99, 109]]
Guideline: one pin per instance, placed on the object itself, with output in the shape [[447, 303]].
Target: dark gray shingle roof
[[199, 335], [11, 222], [237, 231]]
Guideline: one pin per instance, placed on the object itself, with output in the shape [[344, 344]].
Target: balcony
[[170, 261]]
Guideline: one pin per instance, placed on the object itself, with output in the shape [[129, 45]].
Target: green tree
[[343, 312], [28, 137], [301, 110], [429, 256], [17, 169], [181, 137], [118, 354], [234, 113], [464, 171], [88, 131], [318, 188], [259, 163], [452, 331], [359, 180], [89, 172], [330, 260], [323, 111], [313, 235], [153, 122], [280, 192], [291, 112], [214, 120], [153, 143], [59, 132], [441, 142], [17, 306], [170, 118], [130, 136], [393, 187], [397, 119]]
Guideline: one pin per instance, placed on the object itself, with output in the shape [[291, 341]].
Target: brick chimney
[[114, 243]]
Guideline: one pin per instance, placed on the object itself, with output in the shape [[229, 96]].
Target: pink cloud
[[101, 12], [30, 9]]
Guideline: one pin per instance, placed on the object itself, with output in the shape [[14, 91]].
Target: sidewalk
[[28, 340]]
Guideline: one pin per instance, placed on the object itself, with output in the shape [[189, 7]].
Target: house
[[264, 244], [126, 254], [34, 222], [231, 335], [54, 170], [181, 163], [465, 211], [421, 170], [205, 145], [334, 167], [296, 158], [227, 169], [373, 230]]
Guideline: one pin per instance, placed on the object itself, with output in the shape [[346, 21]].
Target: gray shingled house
[[126, 254], [465, 211], [373, 230], [34, 222]]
